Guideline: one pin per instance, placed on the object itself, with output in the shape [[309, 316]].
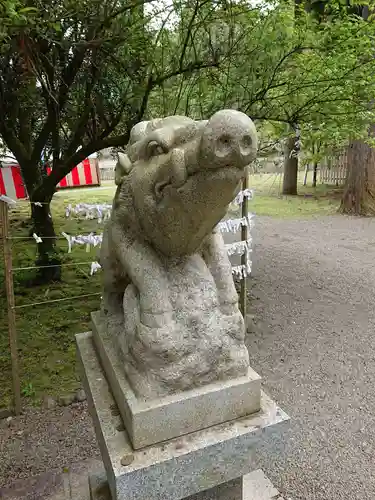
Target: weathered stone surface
[[99, 488], [66, 399], [80, 396], [257, 486], [252, 486], [5, 413], [48, 402], [169, 301], [232, 490], [179, 467], [158, 419]]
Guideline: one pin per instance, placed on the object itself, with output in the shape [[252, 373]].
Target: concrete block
[[179, 467], [152, 421], [232, 490], [98, 486], [256, 486], [253, 486]]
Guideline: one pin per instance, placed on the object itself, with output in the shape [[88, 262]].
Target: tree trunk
[[315, 174], [359, 191], [290, 166], [306, 174], [48, 259]]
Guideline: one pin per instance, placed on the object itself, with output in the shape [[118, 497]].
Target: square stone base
[[253, 486], [152, 421], [180, 467]]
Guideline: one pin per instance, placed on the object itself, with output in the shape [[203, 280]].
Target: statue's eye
[[155, 149]]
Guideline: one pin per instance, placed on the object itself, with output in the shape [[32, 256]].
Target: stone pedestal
[[207, 462], [253, 486], [232, 490], [152, 421]]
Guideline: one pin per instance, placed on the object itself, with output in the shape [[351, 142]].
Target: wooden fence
[[333, 169], [334, 176], [107, 174], [8, 279]]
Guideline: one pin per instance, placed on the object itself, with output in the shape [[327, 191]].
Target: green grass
[[46, 332], [310, 202]]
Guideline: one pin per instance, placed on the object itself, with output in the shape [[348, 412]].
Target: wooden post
[[244, 237], [8, 272]]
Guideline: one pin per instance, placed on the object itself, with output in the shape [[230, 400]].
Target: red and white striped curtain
[[11, 182], [84, 174]]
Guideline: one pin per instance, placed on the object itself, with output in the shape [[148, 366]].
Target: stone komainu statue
[[169, 300]]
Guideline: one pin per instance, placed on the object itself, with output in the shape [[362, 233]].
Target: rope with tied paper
[[102, 212], [245, 194], [95, 266], [234, 225], [239, 271], [242, 271], [238, 247], [83, 239]]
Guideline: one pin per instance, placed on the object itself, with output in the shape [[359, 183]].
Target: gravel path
[[312, 342], [41, 441]]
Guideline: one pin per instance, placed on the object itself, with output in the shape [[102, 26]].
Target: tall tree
[[319, 76], [292, 142], [74, 78], [359, 191]]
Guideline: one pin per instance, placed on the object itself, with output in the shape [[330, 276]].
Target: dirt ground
[[312, 341], [43, 443]]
